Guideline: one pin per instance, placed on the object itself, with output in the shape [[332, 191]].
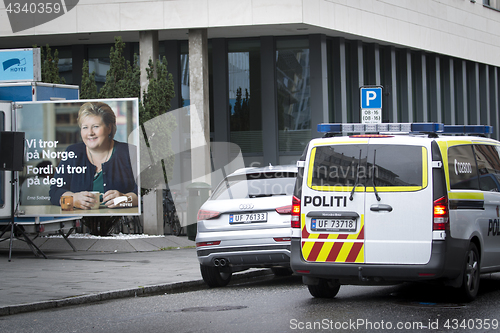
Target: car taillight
[[207, 243], [295, 212], [207, 214], [441, 214], [284, 209]]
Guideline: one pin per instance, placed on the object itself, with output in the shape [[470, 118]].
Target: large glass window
[[99, 62], [244, 95], [184, 80], [495, 4], [65, 64], [293, 95]]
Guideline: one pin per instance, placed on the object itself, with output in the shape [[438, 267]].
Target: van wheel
[[214, 277], [324, 289], [471, 276]]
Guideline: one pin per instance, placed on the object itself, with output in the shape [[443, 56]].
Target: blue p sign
[[371, 98]]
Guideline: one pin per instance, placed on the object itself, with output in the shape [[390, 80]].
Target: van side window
[[462, 168], [488, 167]]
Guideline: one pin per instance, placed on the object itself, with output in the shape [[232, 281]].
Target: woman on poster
[[101, 164]]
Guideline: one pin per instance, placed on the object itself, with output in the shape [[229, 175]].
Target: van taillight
[[284, 209], [441, 220], [295, 212]]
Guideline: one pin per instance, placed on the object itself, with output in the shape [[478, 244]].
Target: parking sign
[[371, 104]]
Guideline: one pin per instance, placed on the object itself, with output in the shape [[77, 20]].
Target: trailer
[[29, 228]]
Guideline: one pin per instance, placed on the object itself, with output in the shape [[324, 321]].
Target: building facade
[[275, 69]]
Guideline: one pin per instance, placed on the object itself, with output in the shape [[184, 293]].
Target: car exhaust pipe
[[220, 262]]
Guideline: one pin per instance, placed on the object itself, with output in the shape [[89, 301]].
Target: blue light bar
[[404, 128], [468, 129], [427, 127], [382, 127], [330, 128]]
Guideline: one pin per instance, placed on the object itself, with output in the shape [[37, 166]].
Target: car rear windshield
[[363, 164], [255, 185]]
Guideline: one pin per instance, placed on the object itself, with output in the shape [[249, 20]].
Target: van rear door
[[398, 203]]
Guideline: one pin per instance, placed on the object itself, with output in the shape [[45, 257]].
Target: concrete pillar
[[153, 212], [319, 83], [148, 49], [339, 81], [153, 201], [199, 107]]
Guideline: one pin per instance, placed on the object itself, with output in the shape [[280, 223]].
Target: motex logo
[[13, 62], [25, 14]]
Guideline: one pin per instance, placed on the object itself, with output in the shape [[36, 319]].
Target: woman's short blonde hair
[[102, 110]]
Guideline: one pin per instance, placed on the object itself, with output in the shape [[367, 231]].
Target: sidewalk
[[102, 268]]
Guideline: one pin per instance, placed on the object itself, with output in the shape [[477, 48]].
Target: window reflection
[[99, 62], [244, 95], [293, 94]]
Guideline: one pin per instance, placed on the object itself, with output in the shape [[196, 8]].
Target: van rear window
[[384, 165]]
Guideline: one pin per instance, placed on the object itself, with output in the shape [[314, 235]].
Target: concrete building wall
[[457, 28]]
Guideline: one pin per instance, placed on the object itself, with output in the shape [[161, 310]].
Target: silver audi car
[[246, 223]]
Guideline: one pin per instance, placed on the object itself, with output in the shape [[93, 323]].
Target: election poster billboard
[[81, 157]]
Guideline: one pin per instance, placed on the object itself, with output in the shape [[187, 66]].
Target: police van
[[397, 202]]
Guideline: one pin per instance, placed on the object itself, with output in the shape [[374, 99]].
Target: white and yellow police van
[[395, 203]]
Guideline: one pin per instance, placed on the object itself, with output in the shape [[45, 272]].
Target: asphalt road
[[272, 304]]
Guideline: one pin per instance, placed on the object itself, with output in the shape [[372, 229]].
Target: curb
[[124, 293]]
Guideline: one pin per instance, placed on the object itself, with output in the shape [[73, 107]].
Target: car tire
[[324, 289], [471, 275], [282, 271], [214, 277]]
